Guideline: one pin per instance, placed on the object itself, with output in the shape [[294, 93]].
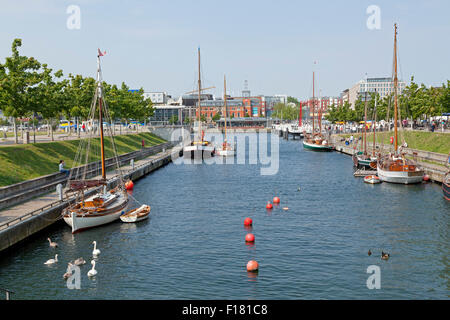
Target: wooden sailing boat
[[316, 140], [226, 149], [395, 167], [101, 206], [200, 147], [446, 181], [362, 158]]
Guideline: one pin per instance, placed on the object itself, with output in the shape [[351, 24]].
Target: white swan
[[79, 262], [52, 244], [96, 251], [92, 272], [52, 261]]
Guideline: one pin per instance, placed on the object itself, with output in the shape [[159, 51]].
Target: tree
[[51, 96], [217, 116], [173, 119], [19, 76]]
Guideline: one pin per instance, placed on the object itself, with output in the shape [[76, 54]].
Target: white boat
[[395, 167], [199, 148], [137, 214], [399, 170], [372, 179], [103, 206], [225, 149]]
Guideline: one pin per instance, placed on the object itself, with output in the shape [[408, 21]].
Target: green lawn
[[23, 162], [420, 140]]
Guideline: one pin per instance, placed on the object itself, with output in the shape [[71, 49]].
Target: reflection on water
[[193, 246]]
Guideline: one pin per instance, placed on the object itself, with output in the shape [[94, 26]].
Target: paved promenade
[[16, 211]]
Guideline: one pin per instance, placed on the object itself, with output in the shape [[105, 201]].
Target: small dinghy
[[372, 179], [136, 215]]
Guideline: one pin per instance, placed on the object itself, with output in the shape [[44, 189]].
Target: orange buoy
[[129, 185], [276, 200], [252, 266], [250, 237], [426, 177], [269, 205], [248, 222]]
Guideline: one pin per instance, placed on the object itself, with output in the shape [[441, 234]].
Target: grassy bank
[[23, 162], [426, 141]]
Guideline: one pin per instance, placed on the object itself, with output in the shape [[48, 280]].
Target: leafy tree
[[173, 119], [19, 76], [217, 116]]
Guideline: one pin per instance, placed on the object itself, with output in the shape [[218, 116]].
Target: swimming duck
[[385, 255], [369, 252]]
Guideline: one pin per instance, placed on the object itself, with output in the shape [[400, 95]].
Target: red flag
[[100, 54]]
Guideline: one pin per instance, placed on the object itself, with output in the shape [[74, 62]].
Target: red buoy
[[276, 200], [129, 185], [248, 222], [426, 177], [250, 237], [269, 206], [252, 266]]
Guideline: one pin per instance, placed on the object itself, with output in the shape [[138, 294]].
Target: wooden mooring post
[[8, 293]]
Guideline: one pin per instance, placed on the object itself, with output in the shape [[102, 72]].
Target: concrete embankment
[[427, 160], [19, 229]]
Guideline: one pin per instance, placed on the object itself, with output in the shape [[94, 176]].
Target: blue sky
[[272, 44]]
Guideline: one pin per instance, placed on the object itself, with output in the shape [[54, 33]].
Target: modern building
[[157, 97], [383, 86]]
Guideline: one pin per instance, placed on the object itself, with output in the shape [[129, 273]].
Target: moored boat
[[446, 182], [225, 149], [372, 179], [395, 167], [137, 214], [102, 206]]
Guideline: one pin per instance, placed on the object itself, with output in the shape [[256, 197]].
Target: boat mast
[[199, 106], [395, 89], [225, 104], [374, 122], [314, 107], [365, 123], [300, 115], [100, 118]]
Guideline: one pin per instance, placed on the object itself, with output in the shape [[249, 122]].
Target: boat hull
[[316, 147], [225, 153], [372, 179], [401, 177], [82, 221], [198, 152], [446, 187]]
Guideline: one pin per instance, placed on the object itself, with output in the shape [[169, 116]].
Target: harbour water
[[193, 245]]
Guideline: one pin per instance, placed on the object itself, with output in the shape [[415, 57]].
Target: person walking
[[61, 168]]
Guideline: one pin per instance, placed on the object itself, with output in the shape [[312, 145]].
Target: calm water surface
[[193, 245]]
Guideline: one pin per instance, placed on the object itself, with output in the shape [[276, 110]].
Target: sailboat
[[102, 206], [362, 158], [199, 147], [316, 140], [395, 167], [446, 181], [226, 149]]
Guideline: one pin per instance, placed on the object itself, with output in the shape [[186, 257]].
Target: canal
[[193, 245]]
